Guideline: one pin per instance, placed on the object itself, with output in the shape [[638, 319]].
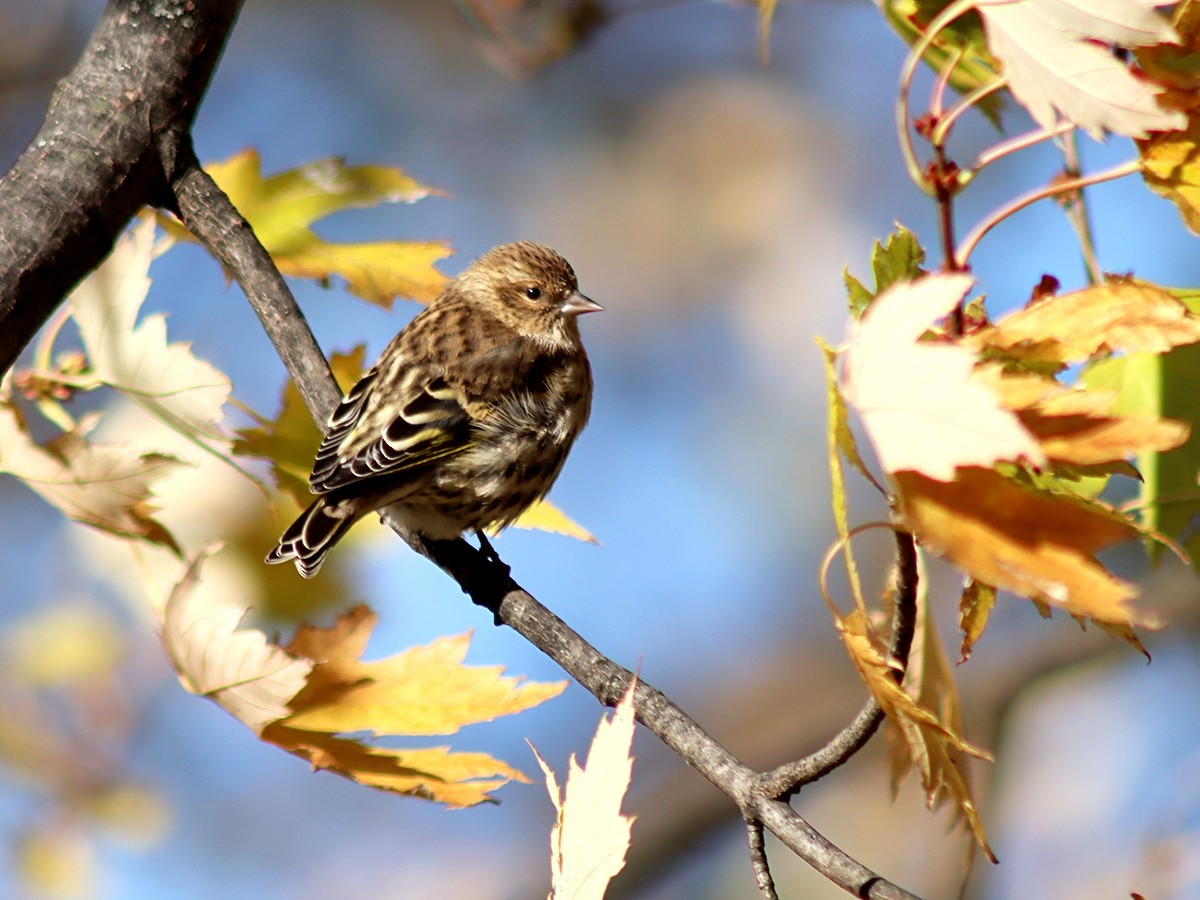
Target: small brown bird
[[467, 417]]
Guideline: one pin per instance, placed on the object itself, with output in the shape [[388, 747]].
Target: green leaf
[[897, 259], [1163, 385]]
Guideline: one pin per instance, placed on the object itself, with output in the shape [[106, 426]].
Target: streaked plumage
[[468, 415]]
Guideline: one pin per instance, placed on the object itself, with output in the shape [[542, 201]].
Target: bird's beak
[[576, 305]]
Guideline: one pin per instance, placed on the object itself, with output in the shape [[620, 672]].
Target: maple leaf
[[282, 207], [590, 836], [916, 399], [929, 742], [238, 668], [102, 485], [302, 697], [1032, 543], [423, 690], [1171, 168], [135, 358], [1054, 56], [896, 260], [290, 440], [1121, 314]]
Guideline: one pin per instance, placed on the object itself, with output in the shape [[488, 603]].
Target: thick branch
[[95, 163]]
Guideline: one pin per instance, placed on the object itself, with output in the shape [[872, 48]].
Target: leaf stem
[[1051, 190], [915, 54], [1016, 144]]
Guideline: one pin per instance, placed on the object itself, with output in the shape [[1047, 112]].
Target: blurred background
[[710, 204]]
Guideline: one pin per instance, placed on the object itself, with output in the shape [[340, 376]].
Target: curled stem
[[1051, 190], [907, 72]]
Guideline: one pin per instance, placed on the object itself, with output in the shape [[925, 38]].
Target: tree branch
[[95, 162], [489, 584]]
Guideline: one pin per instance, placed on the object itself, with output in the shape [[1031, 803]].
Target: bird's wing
[[424, 422]]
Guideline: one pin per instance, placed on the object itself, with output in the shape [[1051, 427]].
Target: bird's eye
[[533, 293]]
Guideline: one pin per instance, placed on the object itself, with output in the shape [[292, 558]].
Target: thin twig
[[758, 860], [1050, 190], [1076, 208], [790, 777], [941, 129]]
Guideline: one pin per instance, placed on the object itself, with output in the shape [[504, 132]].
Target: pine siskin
[[468, 415]]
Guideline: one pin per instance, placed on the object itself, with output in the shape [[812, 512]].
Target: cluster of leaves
[[997, 438]]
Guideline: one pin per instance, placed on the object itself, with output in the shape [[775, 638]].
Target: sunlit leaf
[[917, 399], [1057, 61], [423, 690], [238, 668], [135, 357], [105, 486], [933, 744], [1121, 314], [1032, 543], [591, 837], [545, 516], [282, 207]]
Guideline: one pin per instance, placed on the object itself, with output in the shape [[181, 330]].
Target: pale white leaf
[[137, 359], [249, 676], [917, 399], [590, 839], [1056, 65], [105, 486]]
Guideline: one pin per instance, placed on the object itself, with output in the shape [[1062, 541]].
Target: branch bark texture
[[95, 162]]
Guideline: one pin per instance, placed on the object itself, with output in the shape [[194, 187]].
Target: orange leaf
[[1033, 543], [931, 742]]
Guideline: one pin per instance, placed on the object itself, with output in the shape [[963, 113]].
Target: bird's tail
[[310, 537]]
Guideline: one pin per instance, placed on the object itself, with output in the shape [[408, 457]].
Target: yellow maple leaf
[[1121, 314], [281, 208], [306, 696], [545, 516], [1034, 543], [423, 690], [930, 741], [290, 440], [433, 773]]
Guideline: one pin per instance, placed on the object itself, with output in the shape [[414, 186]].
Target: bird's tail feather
[[310, 537]]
